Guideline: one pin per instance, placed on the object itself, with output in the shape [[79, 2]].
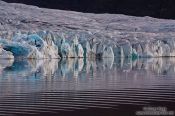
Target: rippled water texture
[[86, 87]]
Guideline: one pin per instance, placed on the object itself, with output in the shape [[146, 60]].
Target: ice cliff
[[80, 35], [48, 45], [45, 45], [30, 46]]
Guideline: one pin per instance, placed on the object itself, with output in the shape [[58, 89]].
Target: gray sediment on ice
[[99, 35]]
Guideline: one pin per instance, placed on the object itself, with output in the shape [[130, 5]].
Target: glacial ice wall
[[30, 46], [49, 45], [86, 34]]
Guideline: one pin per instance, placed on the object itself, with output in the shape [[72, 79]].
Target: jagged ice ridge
[[48, 45]]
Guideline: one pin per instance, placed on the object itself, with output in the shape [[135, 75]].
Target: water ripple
[[33, 87]]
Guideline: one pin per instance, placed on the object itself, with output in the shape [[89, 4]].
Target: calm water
[[86, 87]]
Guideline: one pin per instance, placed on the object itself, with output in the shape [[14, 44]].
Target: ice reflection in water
[[141, 80], [25, 71]]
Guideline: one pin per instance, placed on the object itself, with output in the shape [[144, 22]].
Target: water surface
[[86, 87]]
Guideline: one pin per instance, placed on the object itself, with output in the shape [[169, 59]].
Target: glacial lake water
[[86, 87]]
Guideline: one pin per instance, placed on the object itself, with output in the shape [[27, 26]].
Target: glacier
[[30, 46], [51, 45], [31, 32]]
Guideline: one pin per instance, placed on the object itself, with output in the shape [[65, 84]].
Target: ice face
[[5, 54], [31, 46], [108, 53], [49, 45]]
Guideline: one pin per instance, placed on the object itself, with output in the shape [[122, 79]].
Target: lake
[[87, 86]]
